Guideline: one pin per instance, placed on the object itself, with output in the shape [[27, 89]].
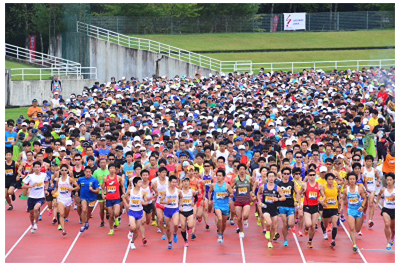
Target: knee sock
[[58, 217], [184, 235], [323, 227], [334, 232]]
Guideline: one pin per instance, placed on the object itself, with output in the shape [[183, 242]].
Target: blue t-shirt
[[10, 137], [324, 157], [103, 153], [86, 194]]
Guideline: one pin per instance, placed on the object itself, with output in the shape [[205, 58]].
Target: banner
[[275, 20], [295, 21], [32, 45]]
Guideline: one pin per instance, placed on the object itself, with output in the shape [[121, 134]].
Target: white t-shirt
[[36, 192], [56, 102]]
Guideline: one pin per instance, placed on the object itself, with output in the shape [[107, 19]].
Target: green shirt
[[101, 176]]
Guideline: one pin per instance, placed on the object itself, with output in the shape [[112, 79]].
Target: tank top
[[79, 174], [193, 183], [24, 158], [298, 185], [288, 191], [112, 188], [63, 189], [207, 180], [27, 169], [147, 192], [11, 173], [312, 194], [353, 199], [135, 201], [127, 169], [152, 173], [160, 188], [187, 200], [331, 197], [243, 189], [221, 199], [269, 195], [370, 178], [388, 164], [174, 197], [388, 200], [43, 168]]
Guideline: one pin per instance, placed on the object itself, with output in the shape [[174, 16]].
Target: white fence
[[39, 58], [47, 73]]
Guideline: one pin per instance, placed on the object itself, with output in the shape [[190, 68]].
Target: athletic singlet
[[79, 174], [112, 188], [152, 173], [269, 195], [370, 178], [147, 192], [388, 200], [127, 169], [298, 185], [303, 170], [174, 198], [243, 189], [63, 189], [160, 188], [193, 183], [27, 169], [288, 191], [207, 180], [11, 173], [331, 197], [187, 200], [135, 201], [312, 194], [221, 199], [353, 199], [43, 168]]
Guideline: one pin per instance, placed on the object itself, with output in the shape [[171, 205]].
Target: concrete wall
[[113, 60], [21, 93]]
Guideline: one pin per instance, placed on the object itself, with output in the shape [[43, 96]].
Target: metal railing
[[39, 58], [47, 73]]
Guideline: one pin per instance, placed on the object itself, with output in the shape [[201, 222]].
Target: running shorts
[[223, 211], [169, 212], [390, 212], [286, 210], [355, 213], [112, 202], [136, 214], [311, 209], [148, 208], [11, 183], [320, 207], [32, 202], [50, 196], [65, 201], [186, 214], [328, 213], [272, 211], [100, 198], [241, 204], [160, 206]]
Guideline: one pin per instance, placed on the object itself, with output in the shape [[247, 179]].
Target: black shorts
[[310, 209], [11, 183], [328, 213], [186, 214], [390, 212], [148, 208], [49, 197], [272, 211], [320, 207], [100, 197], [32, 202]]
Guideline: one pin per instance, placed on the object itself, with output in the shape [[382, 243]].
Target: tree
[[41, 21]]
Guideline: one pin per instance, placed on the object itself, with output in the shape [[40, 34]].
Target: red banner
[[275, 20], [32, 45]]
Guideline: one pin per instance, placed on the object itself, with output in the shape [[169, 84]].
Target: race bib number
[[353, 201], [103, 156], [39, 185], [331, 201], [269, 199], [242, 190], [286, 192], [63, 190], [111, 189], [92, 203], [207, 182], [220, 195], [312, 195], [9, 171], [135, 202], [129, 172], [10, 139], [370, 180], [187, 202], [389, 200]]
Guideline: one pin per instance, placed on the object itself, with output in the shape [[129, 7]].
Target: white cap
[[242, 147], [136, 138], [211, 124], [68, 142], [366, 127], [288, 142], [230, 132], [323, 169]]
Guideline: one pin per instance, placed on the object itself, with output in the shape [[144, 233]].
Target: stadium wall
[[113, 60], [21, 93]]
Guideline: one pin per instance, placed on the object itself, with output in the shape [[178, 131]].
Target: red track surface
[[94, 245]]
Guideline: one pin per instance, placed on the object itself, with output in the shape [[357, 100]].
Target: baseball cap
[[68, 142], [185, 163], [242, 147], [366, 127], [137, 138], [323, 169], [61, 149]]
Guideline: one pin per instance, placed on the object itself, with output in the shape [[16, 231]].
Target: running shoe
[[338, 222], [237, 230], [66, 219], [132, 245], [130, 235], [186, 244], [355, 248], [329, 228], [256, 214], [285, 243], [33, 230], [35, 226], [264, 231], [270, 245], [170, 245], [86, 225], [175, 238], [80, 221], [193, 236], [54, 220], [316, 226], [309, 244], [359, 233], [333, 243], [241, 234], [199, 219], [306, 231], [10, 208], [64, 232], [232, 222], [164, 236], [219, 238], [389, 246], [300, 234], [116, 221], [268, 235], [40, 217], [276, 237], [111, 232], [119, 220], [392, 242], [246, 224], [154, 223], [82, 229], [370, 224], [325, 236], [13, 197], [102, 224], [207, 227], [144, 241], [107, 216], [158, 230], [258, 221], [59, 227], [342, 218], [50, 212]]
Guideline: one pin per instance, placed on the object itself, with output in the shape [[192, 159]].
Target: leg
[[352, 226], [139, 224], [61, 210], [238, 210], [307, 220], [359, 223], [205, 211], [314, 218], [274, 221], [54, 208], [183, 220], [89, 213], [175, 222], [301, 220], [224, 218], [392, 227], [284, 225], [246, 212], [218, 214], [168, 225], [160, 215], [84, 211], [334, 226], [371, 204], [268, 221], [36, 211], [101, 204], [79, 206], [111, 218], [386, 220], [8, 199]]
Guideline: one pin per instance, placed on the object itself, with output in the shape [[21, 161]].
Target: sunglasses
[[297, 173], [64, 170], [315, 154], [286, 174], [312, 175], [299, 157], [77, 160], [206, 166]]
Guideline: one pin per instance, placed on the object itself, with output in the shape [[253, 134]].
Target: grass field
[[279, 40], [34, 71], [13, 113]]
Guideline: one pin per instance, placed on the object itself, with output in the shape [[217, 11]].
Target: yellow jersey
[[331, 197]]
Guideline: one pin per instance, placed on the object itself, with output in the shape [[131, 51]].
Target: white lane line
[[241, 246], [127, 251], [359, 252], [299, 248], [19, 240], [184, 254], [76, 239]]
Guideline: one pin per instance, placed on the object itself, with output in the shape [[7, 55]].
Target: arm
[[230, 190], [73, 182], [322, 191], [378, 197], [364, 202], [282, 198], [211, 189], [163, 197], [344, 201], [259, 193]]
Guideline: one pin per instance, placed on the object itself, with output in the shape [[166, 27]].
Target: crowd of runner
[[307, 150]]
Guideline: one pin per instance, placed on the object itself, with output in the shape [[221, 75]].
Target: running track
[[95, 245]]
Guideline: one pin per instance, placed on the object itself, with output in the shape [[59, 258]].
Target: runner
[[208, 178], [260, 182], [64, 186], [88, 194], [101, 174], [371, 182], [311, 190], [298, 213], [186, 209], [52, 201], [222, 192], [171, 197], [25, 168], [159, 185], [38, 183], [267, 198], [330, 213], [388, 195], [77, 172], [11, 179], [355, 205], [149, 193]]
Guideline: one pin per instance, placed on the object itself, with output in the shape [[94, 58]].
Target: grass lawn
[[14, 113], [34, 71], [279, 40]]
